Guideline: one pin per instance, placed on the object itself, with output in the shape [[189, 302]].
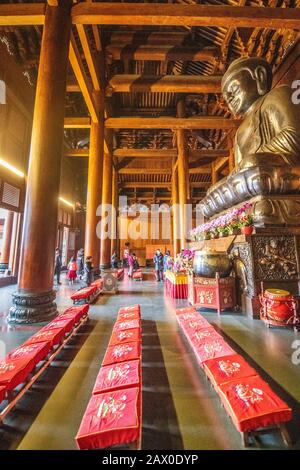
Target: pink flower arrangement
[[225, 223]]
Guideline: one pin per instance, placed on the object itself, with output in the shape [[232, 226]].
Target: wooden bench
[[113, 417], [22, 366], [249, 401]]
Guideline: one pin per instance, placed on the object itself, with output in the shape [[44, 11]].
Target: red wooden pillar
[[183, 176], [94, 192], [5, 254], [34, 300], [105, 249]]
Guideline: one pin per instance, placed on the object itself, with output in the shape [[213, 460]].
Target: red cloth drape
[[117, 376], [122, 352], [53, 336], [110, 418], [2, 393], [130, 308], [125, 336], [14, 372], [35, 352], [252, 404], [126, 325], [176, 291], [124, 316], [226, 369]]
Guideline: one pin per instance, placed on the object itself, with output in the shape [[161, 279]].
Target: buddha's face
[[240, 92]]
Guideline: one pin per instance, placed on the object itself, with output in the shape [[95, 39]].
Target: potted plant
[[246, 224]]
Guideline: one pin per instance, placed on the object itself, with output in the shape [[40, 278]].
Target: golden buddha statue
[[270, 131], [266, 148]]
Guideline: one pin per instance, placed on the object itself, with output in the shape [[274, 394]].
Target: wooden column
[[183, 176], [106, 201], [94, 191], [115, 203], [34, 300], [214, 175], [176, 240], [5, 254]]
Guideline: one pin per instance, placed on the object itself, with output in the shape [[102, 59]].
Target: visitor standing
[[80, 263], [72, 270], [130, 260], [159, 265], [57, 265], [114, 262], [88, 274]]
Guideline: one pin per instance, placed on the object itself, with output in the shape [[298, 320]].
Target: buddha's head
[[246, 80]]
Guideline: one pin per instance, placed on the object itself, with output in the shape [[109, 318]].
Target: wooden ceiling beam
[[161, 53], [213, 153], [145, 185], [175, 123], [84, 84], [89, 57], [25, 14], [171, 14], [145, 153], [76, 153], [148, 37], [72, 85], [144, 171], [77, 123], [164, 84], [202, 170]]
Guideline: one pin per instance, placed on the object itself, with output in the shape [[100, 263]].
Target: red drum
[[278, 307]]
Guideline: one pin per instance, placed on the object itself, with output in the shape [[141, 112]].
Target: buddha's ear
[[261, 77]]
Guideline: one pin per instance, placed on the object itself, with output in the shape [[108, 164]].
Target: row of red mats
[[18, 364], [113, 414], [88, 294], [247, 398]]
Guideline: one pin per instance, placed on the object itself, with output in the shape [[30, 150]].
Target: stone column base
[[32, 308]]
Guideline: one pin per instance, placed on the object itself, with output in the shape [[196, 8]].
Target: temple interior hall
[[149, 225]]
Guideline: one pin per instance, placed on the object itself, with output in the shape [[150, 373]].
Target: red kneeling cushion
[[53, 336], [226, 369], [77, 312], [191, 322], [14, 372], [252, 404], [137, 275], [84, 293], [98, 284], [35, 352], [179, 311], [126, 325], [110, 419], [122, 352], [125, 336], [211, 348], [134, 315], [130, 308], [65, 323], [198, 337], [2, 393], [117, 376]]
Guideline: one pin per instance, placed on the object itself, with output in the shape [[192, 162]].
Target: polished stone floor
[[180, 410]]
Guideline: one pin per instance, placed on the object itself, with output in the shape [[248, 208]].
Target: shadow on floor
[[160, 425]]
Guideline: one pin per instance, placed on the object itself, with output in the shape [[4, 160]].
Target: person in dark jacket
[[80, 263], [57, 265], [159, 265], [88, 274], [114, 262]]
